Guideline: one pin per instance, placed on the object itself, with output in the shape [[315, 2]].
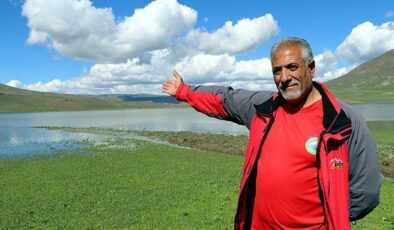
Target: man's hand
[[171, 86]]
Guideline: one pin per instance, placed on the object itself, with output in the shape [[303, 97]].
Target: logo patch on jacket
[[311, 145], [336, 163]]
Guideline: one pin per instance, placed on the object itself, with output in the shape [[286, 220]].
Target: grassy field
[[134, 184], [152, 186], [382, 131], [365, 96], [19, 100]]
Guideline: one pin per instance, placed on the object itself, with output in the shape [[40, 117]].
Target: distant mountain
[[141, 97], [20, 100], [371, 82]]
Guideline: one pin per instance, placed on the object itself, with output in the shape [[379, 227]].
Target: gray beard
[[290, 96]]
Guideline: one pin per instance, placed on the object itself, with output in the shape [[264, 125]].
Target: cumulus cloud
[[15, 83], [245, 35], [334, 73], [367, 41], [136, 53], [203, 67], [81, 85], [355, 49], [79, 30], [326, 64], [253, 69], [206, 67], [138, 77]]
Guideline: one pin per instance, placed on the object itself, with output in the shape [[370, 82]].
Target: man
[[311, 160]]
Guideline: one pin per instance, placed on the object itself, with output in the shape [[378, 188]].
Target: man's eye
[[276, 71], [293, 67]]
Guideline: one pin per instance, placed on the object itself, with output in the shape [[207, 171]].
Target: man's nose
[[285, 76]]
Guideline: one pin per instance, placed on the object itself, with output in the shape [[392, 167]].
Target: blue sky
[[102, 46]]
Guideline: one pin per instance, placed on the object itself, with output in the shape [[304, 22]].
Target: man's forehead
[[289, 53]]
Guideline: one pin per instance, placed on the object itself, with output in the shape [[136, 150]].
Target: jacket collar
[[334, 118]]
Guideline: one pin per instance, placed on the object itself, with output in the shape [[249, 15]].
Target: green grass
[[129, 184], [53, 102], [150, 187], [364, 96], [383, 133], [221, 143], [382, 217], [20, 100]]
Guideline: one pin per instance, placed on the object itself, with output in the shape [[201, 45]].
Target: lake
[[19, 141], [18, 137]]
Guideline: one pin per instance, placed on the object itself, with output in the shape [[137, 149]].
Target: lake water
[[18, 141], [18, 137], [136, 119]]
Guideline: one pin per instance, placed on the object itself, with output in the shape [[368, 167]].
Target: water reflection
[[17, 141], [135, 119], [376, 112], [17, 137]]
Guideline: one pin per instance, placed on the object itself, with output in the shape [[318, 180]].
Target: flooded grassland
[[145, 180]]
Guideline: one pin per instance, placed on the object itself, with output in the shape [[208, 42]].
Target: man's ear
[[311, 68]]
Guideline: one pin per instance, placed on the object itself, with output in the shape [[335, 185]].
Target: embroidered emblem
[[311, 145], [336, 163]]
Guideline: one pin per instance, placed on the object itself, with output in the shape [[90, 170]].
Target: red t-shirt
[[286, 182]]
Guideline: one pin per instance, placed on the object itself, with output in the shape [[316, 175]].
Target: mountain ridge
[[370, 82]]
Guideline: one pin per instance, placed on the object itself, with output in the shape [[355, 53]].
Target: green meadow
[[189, 182]]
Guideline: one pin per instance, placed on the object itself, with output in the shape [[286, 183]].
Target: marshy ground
[[147, 180]]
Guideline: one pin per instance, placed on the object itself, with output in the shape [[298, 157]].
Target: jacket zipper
[[254, 167], [320, 190]]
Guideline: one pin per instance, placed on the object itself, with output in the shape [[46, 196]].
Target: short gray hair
[[306, 49]]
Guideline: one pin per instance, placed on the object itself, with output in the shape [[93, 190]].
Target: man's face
[[292, 76]]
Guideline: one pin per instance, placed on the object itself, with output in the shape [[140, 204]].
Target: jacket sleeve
[[364, 174], [223, 102]]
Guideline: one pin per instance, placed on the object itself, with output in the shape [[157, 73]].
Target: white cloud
[[367, 41], [217, 68], [136, 77], [77, 29], [356, 49], [14, 83], [334, 73], [327, 67], [206, 67], [52, 86], [325, 62], [245, 35], [80, 86], [136, 54], [254, 69]]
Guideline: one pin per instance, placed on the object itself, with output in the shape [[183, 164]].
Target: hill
[[20, 100], [141, 97], [371, 82]]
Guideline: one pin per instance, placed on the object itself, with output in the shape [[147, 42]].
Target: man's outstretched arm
[[217, 101]]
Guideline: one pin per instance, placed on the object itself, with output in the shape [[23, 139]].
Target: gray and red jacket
[[348, 171]]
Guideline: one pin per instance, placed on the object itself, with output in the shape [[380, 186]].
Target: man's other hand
[[171, 86]]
